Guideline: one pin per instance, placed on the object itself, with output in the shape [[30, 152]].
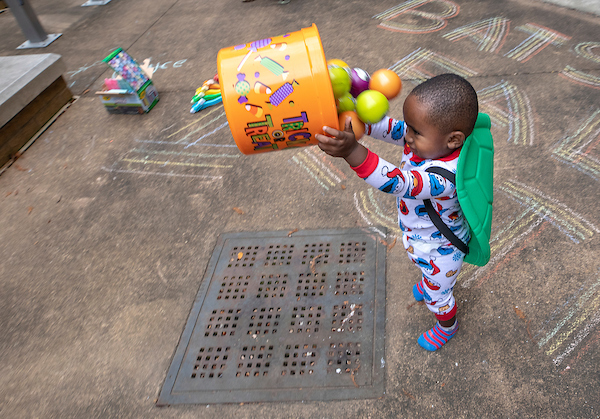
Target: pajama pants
[[440, 264]]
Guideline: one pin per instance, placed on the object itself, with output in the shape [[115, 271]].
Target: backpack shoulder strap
[[442, 172], [435, 217]]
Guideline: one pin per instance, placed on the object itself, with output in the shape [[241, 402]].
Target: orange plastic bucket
[[276, 91]]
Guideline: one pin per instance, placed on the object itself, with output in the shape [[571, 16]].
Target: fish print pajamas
[[439, 260]]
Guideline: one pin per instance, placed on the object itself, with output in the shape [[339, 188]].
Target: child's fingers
[[326, 144], [331, 131], [324, 139], [329, 145], [348, 125]]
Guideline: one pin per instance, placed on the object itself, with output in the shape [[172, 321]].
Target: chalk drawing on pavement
[[505, 243], [580, 77], [189, 151], [561, 334], [509, 107], [591, 52], [372, 212], [418, 16], [577, 149], [488, 34], [422, 64], [566, 220], [539, 38], [539, 211], [319, 167]]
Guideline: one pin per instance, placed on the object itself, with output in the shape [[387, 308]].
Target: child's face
[[424, 140]]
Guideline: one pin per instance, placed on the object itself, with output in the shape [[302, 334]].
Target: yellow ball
[[337, 63]]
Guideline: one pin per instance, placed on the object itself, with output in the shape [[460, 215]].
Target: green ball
[[340, 81], [346, 103], [371, 106]]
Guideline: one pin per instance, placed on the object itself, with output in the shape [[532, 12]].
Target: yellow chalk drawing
[[417, 21], [539, 207], [508, 106], [176, 154], [319, 166], [205, 115], [581, 77], [488, 34], [590, 308], [576, 318], [501, 243], [316, 170], [311, 173], [576, 149], [558, 214], [371, 212], [176, 163], [586, 50], [540, 37], [422, 64]]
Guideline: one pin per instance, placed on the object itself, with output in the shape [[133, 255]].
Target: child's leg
[[437, 336], [440, 267], [419, 291]]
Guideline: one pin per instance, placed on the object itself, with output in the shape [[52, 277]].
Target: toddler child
[[439, 115]]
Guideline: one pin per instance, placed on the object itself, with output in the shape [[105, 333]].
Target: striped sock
[[437, 336], [418, 291]]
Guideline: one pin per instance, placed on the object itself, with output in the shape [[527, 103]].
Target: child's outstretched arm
[[411, 183], [343, 144], [388, 129]]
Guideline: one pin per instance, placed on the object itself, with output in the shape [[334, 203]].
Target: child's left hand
[[342, 144]]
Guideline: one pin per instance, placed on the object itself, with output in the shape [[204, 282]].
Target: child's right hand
[[342, 144]]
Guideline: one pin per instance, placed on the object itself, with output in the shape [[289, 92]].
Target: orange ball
[[358, 126], [387, 82]]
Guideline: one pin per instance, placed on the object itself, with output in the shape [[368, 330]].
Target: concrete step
[[32, 90]]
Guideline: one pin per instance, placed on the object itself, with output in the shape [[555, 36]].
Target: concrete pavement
[[107, 222]]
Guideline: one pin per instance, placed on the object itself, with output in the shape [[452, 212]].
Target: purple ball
[[360, 81]]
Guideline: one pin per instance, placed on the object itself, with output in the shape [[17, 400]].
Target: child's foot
[[436, 337], [418, 291]]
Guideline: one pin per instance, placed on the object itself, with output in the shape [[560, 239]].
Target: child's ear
[[456, 139]]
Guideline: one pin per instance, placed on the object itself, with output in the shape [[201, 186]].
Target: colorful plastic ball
[[360, 81], [340, 81], [346, 103], [336, 63], [358, 127], [371, 106], [387, 82]]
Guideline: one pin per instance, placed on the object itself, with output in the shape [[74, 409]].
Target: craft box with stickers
[[131, 90]]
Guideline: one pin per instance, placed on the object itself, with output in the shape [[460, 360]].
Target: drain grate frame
[[285, 317]]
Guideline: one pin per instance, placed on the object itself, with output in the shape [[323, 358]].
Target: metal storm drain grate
[[285, 317]]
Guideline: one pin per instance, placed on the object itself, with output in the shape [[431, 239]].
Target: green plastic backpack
[[474, 186]]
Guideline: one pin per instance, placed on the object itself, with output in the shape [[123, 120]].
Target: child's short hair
[[451, 101]]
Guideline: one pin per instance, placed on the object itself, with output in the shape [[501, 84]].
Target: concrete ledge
[[590, 6], [23, 78], [32, 90]]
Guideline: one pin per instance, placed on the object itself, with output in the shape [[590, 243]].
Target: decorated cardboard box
[[132, 91]]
